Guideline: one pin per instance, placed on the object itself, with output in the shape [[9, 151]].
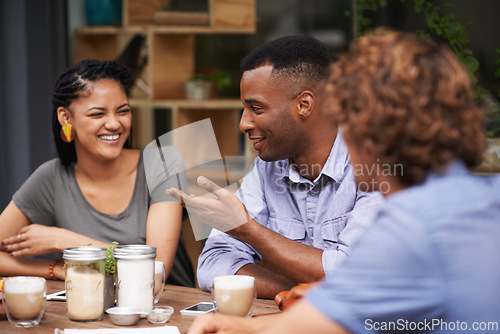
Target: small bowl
[[124, 316], [160, 314]]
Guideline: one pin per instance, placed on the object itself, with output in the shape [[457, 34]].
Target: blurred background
[[37, 40]]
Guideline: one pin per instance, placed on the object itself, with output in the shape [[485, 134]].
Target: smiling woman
[[101, 120], [96, 191]]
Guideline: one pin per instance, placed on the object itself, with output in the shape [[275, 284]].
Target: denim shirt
[[328, 213], [430, 261]]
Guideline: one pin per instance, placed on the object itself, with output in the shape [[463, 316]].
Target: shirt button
[[313, 192], [281, 232]]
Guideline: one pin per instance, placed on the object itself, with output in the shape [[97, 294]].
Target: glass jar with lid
[[135, 267], [85, 273]]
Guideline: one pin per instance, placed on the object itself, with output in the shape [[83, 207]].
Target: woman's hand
[[34, 239]]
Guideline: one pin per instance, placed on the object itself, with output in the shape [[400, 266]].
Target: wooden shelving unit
[[224, 114], [171, 61]]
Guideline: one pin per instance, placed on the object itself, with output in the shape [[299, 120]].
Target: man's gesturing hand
[[219, 209]]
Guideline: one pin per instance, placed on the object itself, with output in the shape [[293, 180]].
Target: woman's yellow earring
[[67, 133]]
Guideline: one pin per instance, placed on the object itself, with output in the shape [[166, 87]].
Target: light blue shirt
[[432, 253], [328, 213]]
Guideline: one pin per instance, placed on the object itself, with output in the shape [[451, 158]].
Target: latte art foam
[[234, 294]]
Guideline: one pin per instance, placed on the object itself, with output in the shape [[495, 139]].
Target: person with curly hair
[[430, 261], [95, 192]]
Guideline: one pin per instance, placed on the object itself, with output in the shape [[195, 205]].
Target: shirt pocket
[[331, 229], [289, 227]]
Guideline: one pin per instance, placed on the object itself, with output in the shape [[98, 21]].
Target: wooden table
[[178, 297]]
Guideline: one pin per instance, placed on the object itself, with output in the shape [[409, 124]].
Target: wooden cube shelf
[[171, 61], [224, 15], [233, 15]]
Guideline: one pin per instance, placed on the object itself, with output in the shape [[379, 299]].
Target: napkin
[[145, 330]]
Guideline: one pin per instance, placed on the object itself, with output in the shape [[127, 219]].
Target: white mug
[[159, 280]]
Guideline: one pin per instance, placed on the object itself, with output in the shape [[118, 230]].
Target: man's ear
[[367, 148], [305, 104], [63, 115]]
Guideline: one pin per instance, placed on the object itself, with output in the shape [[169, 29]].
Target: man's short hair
[[412, 99], [292, 56]]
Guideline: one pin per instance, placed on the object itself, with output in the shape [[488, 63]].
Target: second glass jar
[[135, 266]]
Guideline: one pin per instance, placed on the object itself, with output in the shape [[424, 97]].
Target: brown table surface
[[178, 297]]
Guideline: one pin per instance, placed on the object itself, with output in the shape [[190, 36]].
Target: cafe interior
[[166, 44]]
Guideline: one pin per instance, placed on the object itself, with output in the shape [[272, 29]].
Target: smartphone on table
[[60, 295], [199, 308]]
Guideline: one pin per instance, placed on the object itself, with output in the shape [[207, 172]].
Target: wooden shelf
[[226, 16], [224, 114], [213, 104], [170, 54], [156, 29]]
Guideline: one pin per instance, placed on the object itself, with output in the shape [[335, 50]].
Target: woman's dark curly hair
[[412, 99], [74, 83]]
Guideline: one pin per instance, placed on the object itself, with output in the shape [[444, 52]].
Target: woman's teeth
[[109, 138]]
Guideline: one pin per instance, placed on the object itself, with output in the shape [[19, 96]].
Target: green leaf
[[110, 262], [471, 64], [418, 5]]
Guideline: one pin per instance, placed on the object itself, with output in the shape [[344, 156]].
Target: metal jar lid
[[134, 252], [84, 253]]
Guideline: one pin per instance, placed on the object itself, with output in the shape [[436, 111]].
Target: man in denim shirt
[[429, 262], [307, 211]]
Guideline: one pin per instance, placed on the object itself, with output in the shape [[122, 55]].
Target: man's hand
[[297, 262], [224, 212]]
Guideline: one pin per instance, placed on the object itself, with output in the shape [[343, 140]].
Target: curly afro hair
[[412, 98]]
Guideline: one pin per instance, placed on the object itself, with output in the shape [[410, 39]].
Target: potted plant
[[200, 85], [443, 24], [109, 283], [491, 162]]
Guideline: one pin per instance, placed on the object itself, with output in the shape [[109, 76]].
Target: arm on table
[[296, 261], [301, 318], [225, 255], [163, 231], [299, 263], [267, 282], [36, 240]]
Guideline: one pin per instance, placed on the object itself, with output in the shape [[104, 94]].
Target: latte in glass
[[24, 300], [234, 294]]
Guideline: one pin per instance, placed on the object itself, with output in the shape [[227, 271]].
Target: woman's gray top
[[51, 196]]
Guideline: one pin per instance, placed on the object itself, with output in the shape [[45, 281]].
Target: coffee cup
[[24, 300], [159, 280], [234, 294]]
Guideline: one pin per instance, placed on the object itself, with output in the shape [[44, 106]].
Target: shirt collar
[[335, 166], [454, 168]]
